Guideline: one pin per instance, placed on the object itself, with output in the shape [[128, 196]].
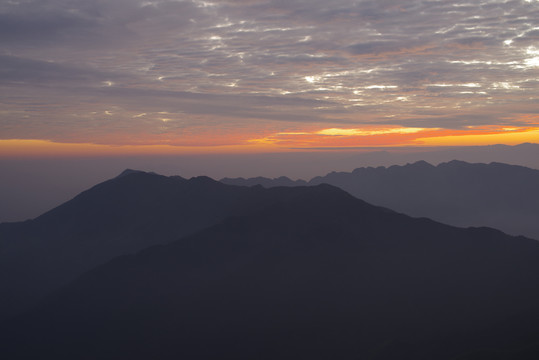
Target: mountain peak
[[454, 163], [421, 164], [203, 180], [129, 172]]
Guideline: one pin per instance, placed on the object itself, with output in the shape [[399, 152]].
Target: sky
[[94, 77]]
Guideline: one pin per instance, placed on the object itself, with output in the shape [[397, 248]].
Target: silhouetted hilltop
[[131, 171], [266, 182], [458, 193], [315, 274], [119, 216]]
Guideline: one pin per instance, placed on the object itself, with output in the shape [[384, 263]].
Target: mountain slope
[[497, 195], [317, 274], [120, 216]]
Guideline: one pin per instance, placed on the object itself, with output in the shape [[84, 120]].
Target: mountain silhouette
[[119, 216], [265, 182], [497, 195], [317, 274]]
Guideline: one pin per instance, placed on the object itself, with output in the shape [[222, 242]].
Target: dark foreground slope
[[120, 216], [498, 195], [316, 275]]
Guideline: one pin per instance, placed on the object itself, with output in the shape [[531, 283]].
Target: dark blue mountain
[[120, 216], [313, 273]]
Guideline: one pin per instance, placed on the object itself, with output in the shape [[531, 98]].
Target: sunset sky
[[181, 77]]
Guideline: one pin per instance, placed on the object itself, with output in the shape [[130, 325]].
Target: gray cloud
[[17, 70], [247, 62]]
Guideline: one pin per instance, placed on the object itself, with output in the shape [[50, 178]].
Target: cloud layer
[[202, 73]]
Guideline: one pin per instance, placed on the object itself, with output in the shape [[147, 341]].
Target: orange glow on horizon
[[510, 137], [401, 136], [353, 138]]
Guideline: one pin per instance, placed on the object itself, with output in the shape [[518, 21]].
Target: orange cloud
[[401, 136], [508, 136]]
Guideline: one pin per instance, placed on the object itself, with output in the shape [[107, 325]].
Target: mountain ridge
[[455, 192], [119, 216]]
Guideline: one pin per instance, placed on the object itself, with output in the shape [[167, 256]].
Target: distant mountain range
[[283, 273], [497, 195]]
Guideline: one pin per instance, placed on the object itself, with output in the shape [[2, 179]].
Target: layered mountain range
[[147, 266], [458, 193]]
